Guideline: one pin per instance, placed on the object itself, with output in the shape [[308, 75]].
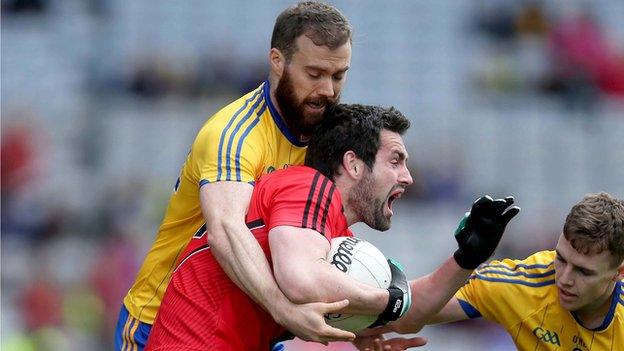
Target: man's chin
[[567, 305], [314, 118], [308, 128]]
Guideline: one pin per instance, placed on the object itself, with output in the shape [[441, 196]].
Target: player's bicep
[[295, 252], [224, 205], [224, 201], [492, 300]]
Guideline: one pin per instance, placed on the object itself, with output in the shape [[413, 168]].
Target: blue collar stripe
[[611, 313], [277, 118]]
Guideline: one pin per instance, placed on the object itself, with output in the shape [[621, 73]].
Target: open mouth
[[396, 194], [316, 105], [566, 295]]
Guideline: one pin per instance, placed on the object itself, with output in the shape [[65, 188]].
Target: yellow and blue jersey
[[522, 297], [241, 142]]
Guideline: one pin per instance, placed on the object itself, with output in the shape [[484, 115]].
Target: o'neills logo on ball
[[342, 258]]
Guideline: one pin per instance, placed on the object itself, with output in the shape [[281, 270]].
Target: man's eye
[[585, 272]]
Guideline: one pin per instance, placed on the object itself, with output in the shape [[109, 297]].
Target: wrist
[[280, 308], [393, 309], [465, 260]]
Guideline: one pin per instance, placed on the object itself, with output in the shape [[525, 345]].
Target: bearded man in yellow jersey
[[568, 299], [264, 130]]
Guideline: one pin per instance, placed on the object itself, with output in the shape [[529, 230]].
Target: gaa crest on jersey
[[547, 336]]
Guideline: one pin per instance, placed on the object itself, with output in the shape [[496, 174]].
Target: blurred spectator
[[23, 212], [41, 302], [151, 78], [584, 62], [496, 20], [115, 265], [10, 7], [532, 20], [214, 73], [18, 155]]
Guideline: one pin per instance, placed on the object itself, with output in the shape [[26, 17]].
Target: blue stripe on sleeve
[[524, 274], [513, 281], [228, 166], [239, 147], [227, 127], [519, 265], [469, 309]]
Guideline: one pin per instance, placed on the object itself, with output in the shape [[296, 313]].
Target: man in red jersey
[[356, 167]]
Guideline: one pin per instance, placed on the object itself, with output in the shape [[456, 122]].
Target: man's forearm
[[431, 292], [242, 259], [304, 275], [224, 205], [323, 282]]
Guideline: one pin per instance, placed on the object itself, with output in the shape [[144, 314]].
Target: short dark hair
[[352, 127], [320, 22], [596, 224]]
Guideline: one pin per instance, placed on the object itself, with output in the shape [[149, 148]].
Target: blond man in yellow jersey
[[568, 299], [264, 130]]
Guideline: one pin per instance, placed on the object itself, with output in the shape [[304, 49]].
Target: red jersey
[[202, 308]]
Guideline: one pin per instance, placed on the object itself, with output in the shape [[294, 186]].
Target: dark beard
[[293, 111], [369, 209]]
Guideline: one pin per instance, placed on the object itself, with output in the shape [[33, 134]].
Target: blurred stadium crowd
[[101, 100]]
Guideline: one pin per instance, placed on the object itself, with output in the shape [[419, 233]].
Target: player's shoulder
[[532, 273], [293, 176], [239, 113], [302, 182]]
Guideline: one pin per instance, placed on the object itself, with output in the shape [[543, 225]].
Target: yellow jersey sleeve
[[229, 147], [507, 291]]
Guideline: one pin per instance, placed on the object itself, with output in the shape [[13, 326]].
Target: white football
[[364, 262]]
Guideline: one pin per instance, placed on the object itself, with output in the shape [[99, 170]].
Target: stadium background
[[102, 98]]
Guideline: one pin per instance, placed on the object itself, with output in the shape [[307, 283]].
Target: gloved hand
[[481, 229], [400, 296]]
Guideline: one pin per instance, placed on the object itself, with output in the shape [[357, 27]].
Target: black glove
[[400, 296], [481, 229]]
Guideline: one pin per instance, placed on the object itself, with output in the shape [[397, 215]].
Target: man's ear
[[620, 273], [352, 165], [277, 62]]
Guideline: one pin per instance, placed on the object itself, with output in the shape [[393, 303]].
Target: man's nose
[[326, 87], [566, 277], [406, 177]]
